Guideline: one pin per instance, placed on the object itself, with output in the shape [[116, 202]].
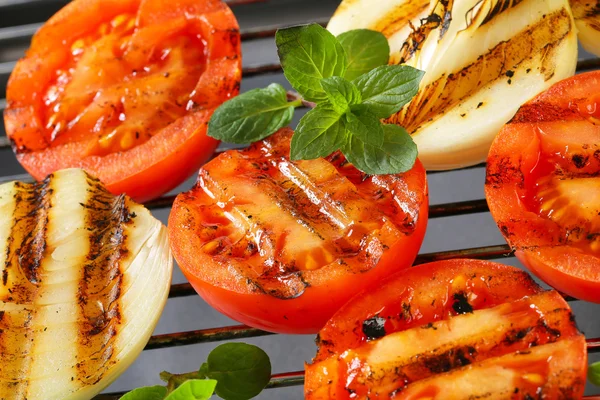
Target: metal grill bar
[[479, 253], [203, 336]]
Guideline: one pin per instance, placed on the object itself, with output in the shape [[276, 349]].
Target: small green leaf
[[366, 50], [203, 371], [194, 389], [386, 89], [319, 133], [594, 373], [252, 116], [309, 53], [242, 370], [397, 154], [341, 93], [365, 126], [146, 393]]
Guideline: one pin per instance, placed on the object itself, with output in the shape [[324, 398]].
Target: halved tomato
[[457, 329], [124, 89], [543, 185], [281, 245]]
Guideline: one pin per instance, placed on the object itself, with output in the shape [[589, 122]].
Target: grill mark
[[585, 9], [25, 251], [399, 17], [550, 328], [100, 285], [499, 8], [440, 16], [544, 36]]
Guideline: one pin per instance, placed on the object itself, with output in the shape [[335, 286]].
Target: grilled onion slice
[[587, 20], [483, 59], [84, 276]]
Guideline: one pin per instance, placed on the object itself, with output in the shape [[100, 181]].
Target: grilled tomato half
[[124, 89], [281, 245], [543, 185], [84, 276], [457, 329]]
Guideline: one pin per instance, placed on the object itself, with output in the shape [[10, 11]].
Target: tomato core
[[568, 198], [144, 77]]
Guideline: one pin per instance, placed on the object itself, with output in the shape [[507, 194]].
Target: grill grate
[[21, 33]]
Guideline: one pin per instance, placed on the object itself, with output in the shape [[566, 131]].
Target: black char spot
[[374, 327]]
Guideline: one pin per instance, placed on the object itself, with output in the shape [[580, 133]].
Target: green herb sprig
[[351, 87], [233, 371], [594, 373]]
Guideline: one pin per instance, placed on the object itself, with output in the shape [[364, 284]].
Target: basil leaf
[[594, 373], [397, 154], [309, 53], [194, 389], [320, 132], [365, 126], [386, 89], [366, 49], [341, 93], [252, 116], [241, 370], [146, 393]]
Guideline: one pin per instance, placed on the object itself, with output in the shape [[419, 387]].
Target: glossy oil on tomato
[[281, 245], [124, 89], [543, 185], [458, 329]]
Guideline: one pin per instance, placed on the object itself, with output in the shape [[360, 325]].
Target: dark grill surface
[[460, 224]]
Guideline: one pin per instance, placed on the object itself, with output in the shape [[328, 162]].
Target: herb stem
[[298, 101]]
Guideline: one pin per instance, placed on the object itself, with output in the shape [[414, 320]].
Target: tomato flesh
[[543, 187], [143, 88], [459, 348], [125, 95], [290, 241]]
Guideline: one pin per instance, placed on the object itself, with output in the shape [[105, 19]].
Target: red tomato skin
[[308, 311], [172, 154], [515, 162]]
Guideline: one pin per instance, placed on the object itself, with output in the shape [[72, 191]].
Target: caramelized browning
[[417, 361], [60, 291], [449, 90], [100, 287], [279, 220]]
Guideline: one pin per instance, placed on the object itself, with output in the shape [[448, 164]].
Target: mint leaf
[[386, 89], [365, 126], [397, 154], [309, 53], [594, 373], [341, 93], [242, 370], [252, 116], [194, 389], [366, 49], [319, 133], [146, 393]]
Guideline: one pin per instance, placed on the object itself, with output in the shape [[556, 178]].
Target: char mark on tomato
[[543, 112], [504, 170], [284, 219], [509, 334]]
